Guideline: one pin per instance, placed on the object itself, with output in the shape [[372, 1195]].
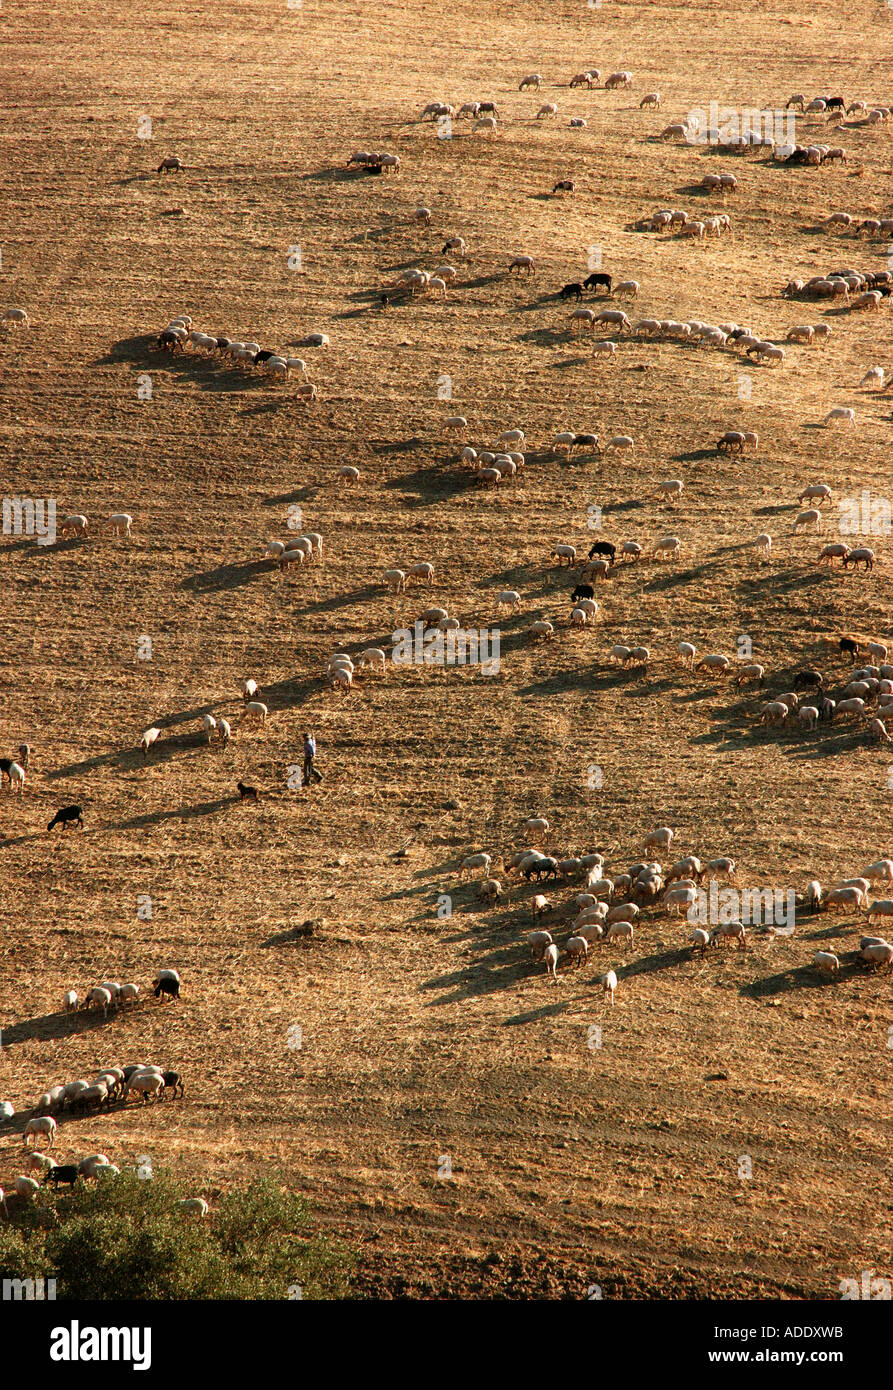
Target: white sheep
[[148, 738], [661, 838], [608, 981], [255, 710], [668, 547], [42, 1127], [194, 1206], [76, 524], [508, 598], [121, 523], [879, 953], [843, 414], [15, 318], [27, 1188], [99, 998], [474, 862], [395, 581], [826, 962], [209, 726], [550, 956], [811, 517], [622, 442], [533, 79], [577, 948], [548, 108]]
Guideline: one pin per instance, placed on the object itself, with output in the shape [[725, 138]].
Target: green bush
[[125, 1237]]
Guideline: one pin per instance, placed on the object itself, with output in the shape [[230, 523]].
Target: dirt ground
[[448, 1110]]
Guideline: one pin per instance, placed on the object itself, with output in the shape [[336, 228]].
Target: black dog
[[247, 793]]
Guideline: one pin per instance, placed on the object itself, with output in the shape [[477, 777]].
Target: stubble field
[[432, 1044]]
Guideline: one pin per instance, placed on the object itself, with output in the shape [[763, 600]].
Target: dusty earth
[[447, 1110]]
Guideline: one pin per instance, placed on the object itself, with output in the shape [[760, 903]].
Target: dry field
[[425, 1036]]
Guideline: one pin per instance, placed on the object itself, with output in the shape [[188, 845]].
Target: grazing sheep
[[548, 108], [148, 738], [255, 710], [860, 555], [194, 1206], [475, 862], [730, 930], [843, 414], [539, 940], [826, 963], [42, 1127], [668, 547], [395, 580], [608, 981], [550, 956], [877, 953], [508, 598], [170, 165], [811, 517], [525, 263], [533, 79]]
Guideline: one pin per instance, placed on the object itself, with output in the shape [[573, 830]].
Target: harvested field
[[450, 1111]]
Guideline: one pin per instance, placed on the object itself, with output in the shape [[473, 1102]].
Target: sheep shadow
[[126, 350], [307, 493], [226, 577], [189, 812], [544, 337], [61, 1025], [798, 977], [431, 485], [400, 446]]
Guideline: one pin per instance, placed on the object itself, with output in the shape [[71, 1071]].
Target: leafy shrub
[[125, 1237]]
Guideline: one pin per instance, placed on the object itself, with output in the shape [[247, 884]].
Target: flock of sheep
[[76, 1098], [605, 905], [613, 903]]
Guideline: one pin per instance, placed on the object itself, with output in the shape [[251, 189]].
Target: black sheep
[[572, 291], [846, 644], [172, 1082], [805, 680], [582, 591], [167, 986], [598, 281], [68, 815], [66, 1172], [604, 548]]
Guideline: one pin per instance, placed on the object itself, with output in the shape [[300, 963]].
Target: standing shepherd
[[309, 755]]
